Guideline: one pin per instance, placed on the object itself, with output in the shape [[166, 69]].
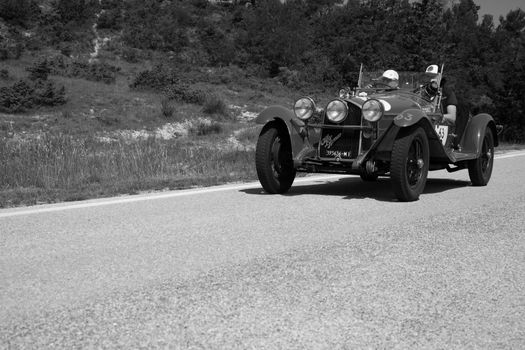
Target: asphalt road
[[335, 264]]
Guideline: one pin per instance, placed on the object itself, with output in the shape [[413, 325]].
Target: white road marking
[[4, 213], [144, 197], [510, 155]]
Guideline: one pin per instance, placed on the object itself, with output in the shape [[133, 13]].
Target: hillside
[[111, 86]]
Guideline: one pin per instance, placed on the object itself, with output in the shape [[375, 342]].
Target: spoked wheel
[[273, 161], [480, 169], [409, 165]]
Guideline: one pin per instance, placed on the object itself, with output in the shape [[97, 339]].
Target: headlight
[[372, 110], [304, 108], [336, 111]]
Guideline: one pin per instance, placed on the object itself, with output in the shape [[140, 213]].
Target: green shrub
[[219, 47], [167, 107], [215, 105], [155, 79], [131, 55], [185, 93], [10, 49], [155, 25], [4, 74], [94, 71], [26, 94], [16, 98], [40, 70], [47, 94]]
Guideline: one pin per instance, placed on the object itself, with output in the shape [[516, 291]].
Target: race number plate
[[442, 131]]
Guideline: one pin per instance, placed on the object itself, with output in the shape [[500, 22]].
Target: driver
[[449, 101], [389, 78]]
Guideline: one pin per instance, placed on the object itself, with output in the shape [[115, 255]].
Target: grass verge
[[56, 168]]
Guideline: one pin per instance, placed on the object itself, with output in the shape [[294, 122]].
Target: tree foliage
[[18, 11]]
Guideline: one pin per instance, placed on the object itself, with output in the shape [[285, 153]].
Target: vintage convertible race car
[[375, 130]]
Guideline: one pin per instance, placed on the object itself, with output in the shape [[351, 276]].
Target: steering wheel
[[382, 84]]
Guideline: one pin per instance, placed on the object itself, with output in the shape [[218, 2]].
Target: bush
[[155, 25], [9, 49], [184, 93], [4, 74], [290, 78], [155, 79], [131, 55], [26, 94], [167, 108], [218, 45], [16, 98], [215, 105], [47, 94], [40, 70], [94, 71]]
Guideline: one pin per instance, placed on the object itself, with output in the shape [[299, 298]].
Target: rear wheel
[[273, 161], [480, 169], [409, 165]]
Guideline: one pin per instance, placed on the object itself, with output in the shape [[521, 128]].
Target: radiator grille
[[340, 143]]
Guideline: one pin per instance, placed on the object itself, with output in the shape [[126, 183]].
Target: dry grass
[[59, 167]]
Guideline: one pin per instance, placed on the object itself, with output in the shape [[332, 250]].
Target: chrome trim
[[344, 127]]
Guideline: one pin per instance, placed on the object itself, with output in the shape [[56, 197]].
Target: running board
[[456, 156]]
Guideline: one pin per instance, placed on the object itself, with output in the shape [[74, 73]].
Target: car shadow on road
[[353, 187]]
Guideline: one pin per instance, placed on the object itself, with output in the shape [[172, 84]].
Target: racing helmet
[[432, 70], [390, 75]]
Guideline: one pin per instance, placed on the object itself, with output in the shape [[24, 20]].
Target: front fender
[[409, 117], [286, 118], [475, 132], [278, 112]]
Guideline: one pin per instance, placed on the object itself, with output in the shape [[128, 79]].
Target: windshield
[[407, 80]]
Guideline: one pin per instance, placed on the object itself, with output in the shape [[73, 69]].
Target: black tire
[[409, 165], [480, 169], [273, 161]]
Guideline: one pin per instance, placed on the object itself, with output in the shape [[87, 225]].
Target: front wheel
[[273, 161], [409, 165], [480, 169]]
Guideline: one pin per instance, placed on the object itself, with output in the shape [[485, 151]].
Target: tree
[[18, 11], [510, 99], [75, 10]]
